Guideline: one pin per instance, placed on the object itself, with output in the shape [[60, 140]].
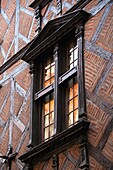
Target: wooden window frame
[[64, 138]]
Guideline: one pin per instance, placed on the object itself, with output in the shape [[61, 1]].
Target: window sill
[[57, 144]]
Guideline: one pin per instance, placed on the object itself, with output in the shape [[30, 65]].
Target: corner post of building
[[79, 33], [31, 104], [55, 55]]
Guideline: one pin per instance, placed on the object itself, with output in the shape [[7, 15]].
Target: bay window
[[58, 114]]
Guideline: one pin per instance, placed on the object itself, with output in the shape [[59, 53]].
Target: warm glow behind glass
[[73, 105], [73, 56], [48, 119], [49, 74]]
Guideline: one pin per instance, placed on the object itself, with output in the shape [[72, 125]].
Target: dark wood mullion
[[31, 105], [56, 88], [81, 80]]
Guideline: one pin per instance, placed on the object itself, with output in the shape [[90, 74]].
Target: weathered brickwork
[[94, 165], [17, 28], [94, 66], [106, 89], [92, 24], [69, 160], [105, 39], [99, 120], [108, 149]]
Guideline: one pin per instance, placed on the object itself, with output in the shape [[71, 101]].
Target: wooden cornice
[[70, 21], [57, 144]]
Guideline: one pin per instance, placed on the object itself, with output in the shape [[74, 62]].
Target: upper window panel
[[49, 73], [72, 55], [48, 117]]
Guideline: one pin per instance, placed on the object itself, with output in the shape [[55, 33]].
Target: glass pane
[[70, 93], [76, 89], [70, 119], [52, 80], [52, 118], [71, 58], [46, 133], [51, 130], [51, 105], [75, 53], [52, 71], [46, 108], [70, 105], [47, 83], [71, 66], [46, 120], [47, 74], [75, 115], [75, 102], [75, 63]]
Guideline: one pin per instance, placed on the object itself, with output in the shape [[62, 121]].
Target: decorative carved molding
[[84, 153], [55, 162], [58, 143]]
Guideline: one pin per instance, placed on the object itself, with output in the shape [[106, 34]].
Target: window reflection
[[73, 55], [49, 73], [73, 105], [48, 117]]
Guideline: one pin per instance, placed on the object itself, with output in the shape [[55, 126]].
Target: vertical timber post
[[79, 33], [31, 104], [56, 87]]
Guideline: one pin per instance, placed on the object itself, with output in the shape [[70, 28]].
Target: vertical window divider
[[56, 88], [31, 104], [80, 74]]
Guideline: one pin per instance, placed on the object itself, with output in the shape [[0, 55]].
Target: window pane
[[47, 74], [70, 105], [76, 89], [71, 58], [75, 102], [70, 93], [48, 116], [46, 120], [51, 105], [52, 71], [75, 53], [46, 108], [46, 136], [70, 119], [52, 118], [47, 83], [75, 115], [51, 130]]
